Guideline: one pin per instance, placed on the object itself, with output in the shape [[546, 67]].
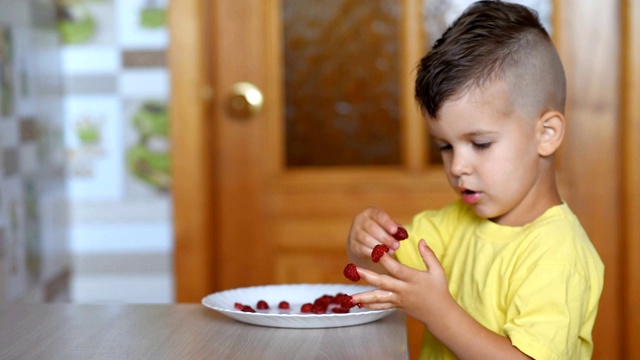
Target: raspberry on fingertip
[[401, 234]]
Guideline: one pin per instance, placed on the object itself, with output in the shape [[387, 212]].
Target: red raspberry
[[306, 308], [346, 302], [283, 305], [247, 308], [238, 306], [321, 302], [262, 305], [401, 233], [378, 251], [318, 309], [340, 310], [329, 299], [351, 273], [338, 298]]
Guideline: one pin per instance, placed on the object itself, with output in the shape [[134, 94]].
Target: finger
[[366, 230], [395, 268], [362, 242], [381, 281], [377, 234], [376, 298], [429, 257], [387, 227], [380, 306], [381, 217]]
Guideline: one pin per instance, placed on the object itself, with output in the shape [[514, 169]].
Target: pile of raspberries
[[339, 304], [350, 271]]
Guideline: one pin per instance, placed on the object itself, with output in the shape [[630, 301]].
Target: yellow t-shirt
[[538, 284]]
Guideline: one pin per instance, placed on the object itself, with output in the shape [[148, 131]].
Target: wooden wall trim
[[190, 161], [590, 47], [413, 126], [630, 136], [274, 109]]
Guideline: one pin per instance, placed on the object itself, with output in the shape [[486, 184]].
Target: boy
[[508, 271]]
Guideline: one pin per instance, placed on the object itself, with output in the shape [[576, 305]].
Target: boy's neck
[[542, 198]]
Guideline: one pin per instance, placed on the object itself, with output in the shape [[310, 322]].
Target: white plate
[[296, 295]]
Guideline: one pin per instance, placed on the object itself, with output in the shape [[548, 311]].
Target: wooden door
[[272, 221], [245, 216]]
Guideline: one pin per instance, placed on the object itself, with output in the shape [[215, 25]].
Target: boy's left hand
[[423, 295]]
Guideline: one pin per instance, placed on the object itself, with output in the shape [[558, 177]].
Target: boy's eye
[[482, 146], [445, 147]]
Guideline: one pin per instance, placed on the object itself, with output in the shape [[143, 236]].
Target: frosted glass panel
[[341, 82]]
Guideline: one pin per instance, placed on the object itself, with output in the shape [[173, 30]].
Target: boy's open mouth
[[470, 196]]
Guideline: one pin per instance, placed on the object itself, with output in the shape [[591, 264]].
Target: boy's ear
[[550, 131]]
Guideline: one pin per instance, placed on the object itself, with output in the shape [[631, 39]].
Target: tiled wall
[[83, 138], [116, 125], [34, 258]]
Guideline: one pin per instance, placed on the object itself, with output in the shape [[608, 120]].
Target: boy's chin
[[485, 213]]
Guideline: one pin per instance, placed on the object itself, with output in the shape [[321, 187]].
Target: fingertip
[[396, 228], [363, 273], [391, 251], [424, 249], [395, 245]]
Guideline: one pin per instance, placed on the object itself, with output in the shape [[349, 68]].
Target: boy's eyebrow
[[466, 135], [480, 132]]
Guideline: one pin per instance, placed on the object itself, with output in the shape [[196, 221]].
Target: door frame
[[191, 133], [630, 140]]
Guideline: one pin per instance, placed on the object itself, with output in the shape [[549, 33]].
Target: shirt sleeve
[[545, 315]]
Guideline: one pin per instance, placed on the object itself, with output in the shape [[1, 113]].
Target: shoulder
[[558, 238], [558, 227], [455, 213]]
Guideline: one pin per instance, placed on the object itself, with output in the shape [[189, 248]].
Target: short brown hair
[[489, 41]]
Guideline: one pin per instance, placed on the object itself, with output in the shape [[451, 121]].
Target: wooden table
[[181, 331]]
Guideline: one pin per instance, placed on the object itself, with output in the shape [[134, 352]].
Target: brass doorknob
[[245, 100]]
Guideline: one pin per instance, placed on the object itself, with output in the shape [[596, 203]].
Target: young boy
[[508, 271]]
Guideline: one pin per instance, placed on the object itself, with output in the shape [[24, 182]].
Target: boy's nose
[[460, 165]]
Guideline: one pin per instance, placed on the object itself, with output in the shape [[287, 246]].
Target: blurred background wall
[[116, 128], [84, 186], [34, 252]]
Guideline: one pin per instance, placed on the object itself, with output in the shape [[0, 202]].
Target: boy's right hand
[[369, 228]]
